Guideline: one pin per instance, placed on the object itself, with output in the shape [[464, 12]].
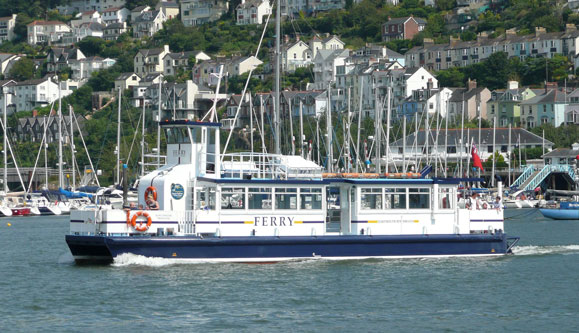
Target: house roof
[[552, 96], [461, 94], [562, 152], [169, 4], [45, 23], [139, 9], [147, 16], [453, 137], [125, 76], [115, 26], [112, 9], [251, 3], [33, 82], [94, 26], [151, 52], [7, 83]]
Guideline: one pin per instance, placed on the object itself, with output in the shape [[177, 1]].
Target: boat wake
[[128, 259], [532, 250]]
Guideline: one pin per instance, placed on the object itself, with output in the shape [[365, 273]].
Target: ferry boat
[[249, 207]]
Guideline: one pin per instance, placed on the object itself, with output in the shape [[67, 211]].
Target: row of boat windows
[[260, 198], [403, 198]]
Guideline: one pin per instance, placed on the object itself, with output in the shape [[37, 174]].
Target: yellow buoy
[[9, 224]]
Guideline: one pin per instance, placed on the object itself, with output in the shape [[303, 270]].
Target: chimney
[[285, 38], [511, 85], [570, 27], [510, 33], [550, 86], [297, 37], [483, 35], [35, 113], [454, 40], [540, 31], [471, 84], [429, 84], [389, 18], [428, 41], [166, 48]]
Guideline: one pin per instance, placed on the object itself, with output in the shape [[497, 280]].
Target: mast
[[427, 132], [377, 131], [347, 140], [330, 154], [4, 147], [60, 180], [159, 127], [45, 155], [461, 134], [479, 125], [510, 158], [118, 166], [251, 122], [72, 148], [276, 113], [301, 128], [446, 139], [292, 137], [143, 141], [359, 129], [494, 149], [388, 130], [404, 143]]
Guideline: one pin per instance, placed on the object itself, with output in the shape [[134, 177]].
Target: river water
[[41, 289]]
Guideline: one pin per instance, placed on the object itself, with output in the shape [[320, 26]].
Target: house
[[37, 93], [470, 101], [59, 58], [252, 11], [114, 30], [242, 65], [150, 60], [79, 6], [325, 64], [40, 32], [7, 60], [562, 156], [33, 129], [231, 107], [115, 15], [91, 29], [372, 53], [173, 61], [82, 69], [140, 94], [148, 23], [329, 43], [7, 28], [547, 107], [137, 11], [169, 8], [435, 101], [91, 16], [505, 104], [9, 103], [197, 12], [402, 28], [206, 73], [295, 55], [126, 81]]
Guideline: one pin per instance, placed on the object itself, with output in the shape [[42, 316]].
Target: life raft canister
[[141, 227]]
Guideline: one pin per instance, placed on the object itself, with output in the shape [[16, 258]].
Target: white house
[[6, 84], [46, 31], [242, 65], [252, 11], [137, 11], [169, 8], [82, 69], [36, 93], [86, 17], [295, 55], [150, 61], [115, 15], [197, 12], [325, 64], [126, 81], [78, 6], [59, 58], [114, 30], [329, 43], [173, 61], [7, 28], [148, 23]]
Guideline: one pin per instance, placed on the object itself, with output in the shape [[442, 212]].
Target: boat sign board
[[177, 191]]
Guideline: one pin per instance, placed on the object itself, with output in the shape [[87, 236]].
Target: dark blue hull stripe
[[172, 247]]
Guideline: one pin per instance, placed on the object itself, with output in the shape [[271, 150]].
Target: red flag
[[476, 159]]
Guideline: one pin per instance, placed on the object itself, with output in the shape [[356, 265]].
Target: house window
[[545, 108]]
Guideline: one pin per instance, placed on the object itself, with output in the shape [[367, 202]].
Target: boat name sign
[[273, 221], [177, 191]]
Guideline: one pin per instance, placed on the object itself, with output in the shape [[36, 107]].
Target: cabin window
[[419, 198], [286, 198], [310, 198], [371, 198], [395, 198], [177, 135], [259, 198], [205, 199], [445, 198], [233, 198]]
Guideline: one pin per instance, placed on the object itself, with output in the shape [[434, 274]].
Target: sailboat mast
[[358, 154], [301, 128], [388, 131], [118, 166], [159, 127], [60, 180], [277, 78], [45, 155], [4, 146], [510, 157], [72, 147], [292, 137], [330, 154], [143, 141]]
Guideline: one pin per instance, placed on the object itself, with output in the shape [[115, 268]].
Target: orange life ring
[[151, 190], [141, 227]]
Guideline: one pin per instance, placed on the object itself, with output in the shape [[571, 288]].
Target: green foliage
[[499, 161], [130, 4], [563, 136], [22, 70]]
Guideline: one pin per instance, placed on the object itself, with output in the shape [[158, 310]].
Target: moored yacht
[[266, 208]]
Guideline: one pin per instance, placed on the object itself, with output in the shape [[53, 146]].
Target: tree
[[92, 46], [22, 70], [130, 4], [452, 77]]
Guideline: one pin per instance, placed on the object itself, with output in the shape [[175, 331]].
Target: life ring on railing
[[141, 227], [151, 190]]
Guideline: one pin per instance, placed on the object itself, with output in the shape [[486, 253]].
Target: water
[[41, 289]]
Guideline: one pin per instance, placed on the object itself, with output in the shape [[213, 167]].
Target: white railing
[[264, 166]]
